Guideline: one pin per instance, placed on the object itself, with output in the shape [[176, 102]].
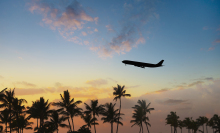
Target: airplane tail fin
[[160, 63]]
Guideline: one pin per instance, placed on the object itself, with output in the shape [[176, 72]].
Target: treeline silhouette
[[193, 125], [16, 117]]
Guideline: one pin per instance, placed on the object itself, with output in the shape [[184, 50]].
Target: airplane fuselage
[[142, 64]]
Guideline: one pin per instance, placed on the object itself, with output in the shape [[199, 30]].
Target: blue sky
[[76, 43]]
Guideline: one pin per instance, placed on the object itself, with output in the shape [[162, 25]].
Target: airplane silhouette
[[142, 64]]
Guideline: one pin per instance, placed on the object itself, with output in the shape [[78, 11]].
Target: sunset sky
[[50, 46]]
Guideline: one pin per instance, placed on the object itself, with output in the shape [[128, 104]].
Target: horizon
[[48, 47]]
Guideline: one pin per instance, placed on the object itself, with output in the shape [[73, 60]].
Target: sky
[[47, 47]]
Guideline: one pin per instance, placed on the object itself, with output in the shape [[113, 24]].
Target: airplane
[[142, 64]]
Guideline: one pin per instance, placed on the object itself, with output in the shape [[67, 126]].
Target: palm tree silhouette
[[172, 119], [111, 115], [139, 114], [56, 121], [180, 125], [4, 118], [70, 106], [22, 123], [89, 120], [202, 120], [94, 109], [7, 100], [216, 120], [187, 122], [39, 109], [211, 124], [34, 111], [118, 93], [195, 126], [17, 109]]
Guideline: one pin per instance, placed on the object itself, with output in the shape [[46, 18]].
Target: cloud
[[128, 35], [76, 40], [70, 17], [172, 101], [217, 41], [1, 77], [32, 91], [62, 16], [96, 20], [26, 84], [96, 30], [97, 82], [162, 90], [135, 86], [211, 48], [109, 28], [112, 80], [84, 33], [86, 42], [195, 83], [205, 28]]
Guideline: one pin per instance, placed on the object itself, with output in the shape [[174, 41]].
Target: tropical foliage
[[15, 117]]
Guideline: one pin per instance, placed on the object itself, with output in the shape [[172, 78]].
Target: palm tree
[[202, 120], [94, 109], [145, 108], [56, 121], [23, 123], [34, 111], [2, 95], [118, 93], [4, 118], [172, 119], [195, 125], [216, 120], [187, 122], [139, 114], [7, 100], [70, 106], [39, 109], [17, 109], [111, 115], [88, 120], [211, 124], [180, 125]]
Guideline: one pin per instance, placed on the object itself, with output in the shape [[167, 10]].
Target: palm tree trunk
[[6, 127], [94, 123], [111, 127], [10, 118], [171, 129], [57, 130], [37, 123], [148, 129], [119, 116], [203, 128], [140, 130], [69, 124], [181, 130], [72, 123], [206, 129]]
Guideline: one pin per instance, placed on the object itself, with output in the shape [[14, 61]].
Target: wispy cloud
[[65, 18], [97, 82], [205, 28], [26, 84], [172, 101], [130, 28]]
